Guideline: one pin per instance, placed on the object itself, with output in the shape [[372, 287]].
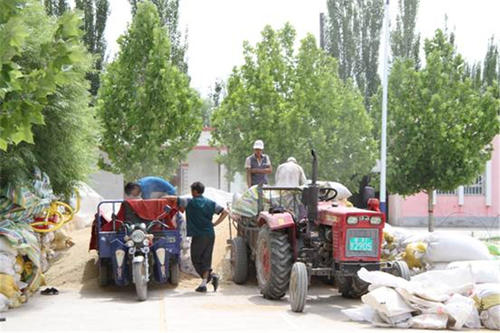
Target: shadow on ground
[[90, 288], [323, 299]]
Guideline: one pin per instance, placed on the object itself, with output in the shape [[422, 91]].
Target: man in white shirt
[[290, 174]]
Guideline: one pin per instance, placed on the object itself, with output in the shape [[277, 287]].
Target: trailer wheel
[[273, 262], [103, 272], [239, 260], [400, 268], [298, 287]]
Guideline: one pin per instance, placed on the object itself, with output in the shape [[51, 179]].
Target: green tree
[[294, 102], [150, 116], [56, 7], [440, 126], [207, 108], [26, 85], [95, 15], [63, 145], [405, 41], [491, 64], [169, 16], [353, 37]]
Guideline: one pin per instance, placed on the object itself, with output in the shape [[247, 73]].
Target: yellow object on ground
[[57, 215], [487, 302], [388, 237], [61, 241], [413, 254], [9, 288]]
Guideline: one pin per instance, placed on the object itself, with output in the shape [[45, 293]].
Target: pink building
[[472, 205]]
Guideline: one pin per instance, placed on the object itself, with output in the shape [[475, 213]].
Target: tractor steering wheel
[[327, 194]]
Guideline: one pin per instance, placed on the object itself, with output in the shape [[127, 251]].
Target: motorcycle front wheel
[[141, 284]]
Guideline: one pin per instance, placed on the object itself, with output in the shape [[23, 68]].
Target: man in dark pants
[[199, 213]]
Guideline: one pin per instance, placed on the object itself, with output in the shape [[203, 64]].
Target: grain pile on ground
[[74, 266]]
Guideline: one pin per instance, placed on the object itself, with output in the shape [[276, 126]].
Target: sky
[[216, 29]]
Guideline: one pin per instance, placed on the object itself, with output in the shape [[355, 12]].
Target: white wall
[[107, 184], [203, 167]]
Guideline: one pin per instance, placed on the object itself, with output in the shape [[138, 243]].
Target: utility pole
[[383, 148]]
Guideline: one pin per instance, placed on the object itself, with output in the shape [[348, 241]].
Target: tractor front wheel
[[298, 287], [401, 269], [273, 262]]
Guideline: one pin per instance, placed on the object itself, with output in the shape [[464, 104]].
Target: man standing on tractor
[[199, 213], [290, 174], [258, 165], [149, 188]]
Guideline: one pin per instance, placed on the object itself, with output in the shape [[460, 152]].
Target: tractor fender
[[276, 221]]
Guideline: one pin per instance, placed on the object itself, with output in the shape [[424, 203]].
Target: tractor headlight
[[352, 219], [375, 219], [138, 236]]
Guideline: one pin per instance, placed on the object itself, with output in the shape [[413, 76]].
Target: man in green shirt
[[199, 213]]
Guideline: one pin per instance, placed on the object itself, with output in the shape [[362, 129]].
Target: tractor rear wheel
[[298, 287], [239, 260], [273, 262]]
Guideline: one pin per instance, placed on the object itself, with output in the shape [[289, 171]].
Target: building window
[[477, 188], [439, 192]]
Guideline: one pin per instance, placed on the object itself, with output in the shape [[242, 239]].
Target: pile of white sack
[[465, 294], [424, 251]]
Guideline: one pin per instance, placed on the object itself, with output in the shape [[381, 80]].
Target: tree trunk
[[430, 195]]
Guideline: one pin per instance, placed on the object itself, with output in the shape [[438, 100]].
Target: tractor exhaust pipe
[[312, 207], [310, 194], [314, 167]]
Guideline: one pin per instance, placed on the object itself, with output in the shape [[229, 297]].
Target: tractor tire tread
[[281, 265]]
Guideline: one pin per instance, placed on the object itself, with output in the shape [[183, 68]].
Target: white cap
[[292, 159], [258, 144]]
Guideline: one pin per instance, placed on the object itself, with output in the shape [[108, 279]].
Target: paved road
[[232, 309]]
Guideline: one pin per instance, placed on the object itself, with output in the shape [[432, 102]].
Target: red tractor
[[316, 237]]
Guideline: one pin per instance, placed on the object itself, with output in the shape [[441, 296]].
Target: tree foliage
[[150, 115], [56, 7], [440, 126], [294, 101], [51, 62], [95, 15], [491, 68], [353, 37], [34, 62], [168, 10], [405, 41]]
